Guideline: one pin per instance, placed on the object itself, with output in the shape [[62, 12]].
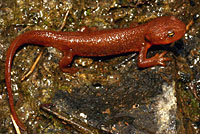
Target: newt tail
[[26, 38]]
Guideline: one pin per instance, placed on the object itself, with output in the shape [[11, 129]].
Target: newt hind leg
[[65, 62]]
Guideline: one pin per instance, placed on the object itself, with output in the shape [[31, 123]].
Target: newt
[[159, 31]]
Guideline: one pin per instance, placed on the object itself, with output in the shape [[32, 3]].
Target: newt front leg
[[158, 59]]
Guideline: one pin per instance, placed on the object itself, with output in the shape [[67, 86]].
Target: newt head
[[164, 30]]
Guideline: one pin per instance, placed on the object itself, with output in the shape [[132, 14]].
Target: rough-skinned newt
[[159, 31]]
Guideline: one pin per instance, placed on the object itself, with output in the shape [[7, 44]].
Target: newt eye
[[170, 33]]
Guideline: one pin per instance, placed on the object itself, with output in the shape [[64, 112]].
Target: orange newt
[[159, 31]]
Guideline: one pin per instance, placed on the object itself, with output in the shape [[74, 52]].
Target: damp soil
[[107, 94]]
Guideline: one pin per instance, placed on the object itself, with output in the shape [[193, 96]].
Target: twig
[[75, 123], [15, 125], [33, 66]]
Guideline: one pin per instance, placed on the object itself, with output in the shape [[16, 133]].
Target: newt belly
[[159, 31]]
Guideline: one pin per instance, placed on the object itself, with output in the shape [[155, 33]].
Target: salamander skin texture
[[159, 31]]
